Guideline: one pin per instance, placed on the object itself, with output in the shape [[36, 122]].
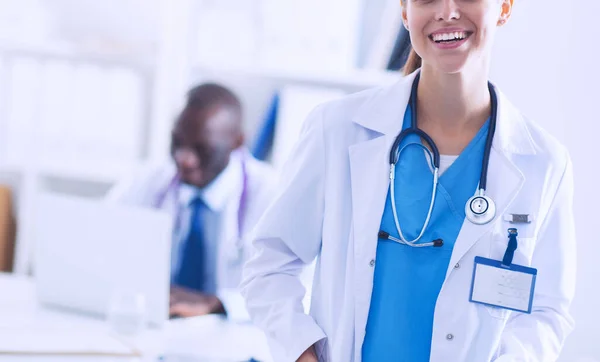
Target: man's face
[[202, 142]]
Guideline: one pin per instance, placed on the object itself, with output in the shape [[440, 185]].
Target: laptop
[[89, 253]]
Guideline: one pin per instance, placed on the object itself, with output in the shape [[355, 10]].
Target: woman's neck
[[452, 103]]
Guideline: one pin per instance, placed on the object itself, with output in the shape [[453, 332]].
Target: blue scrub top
[[407, 279]]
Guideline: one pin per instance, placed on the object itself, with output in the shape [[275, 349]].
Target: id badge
[[505, 286]]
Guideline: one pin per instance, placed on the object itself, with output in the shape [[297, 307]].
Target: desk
[[205, 338]]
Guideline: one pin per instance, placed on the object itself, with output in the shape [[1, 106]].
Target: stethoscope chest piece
[[480, 209]]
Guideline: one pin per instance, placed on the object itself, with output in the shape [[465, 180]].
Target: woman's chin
[[452, 67], [449, 65]]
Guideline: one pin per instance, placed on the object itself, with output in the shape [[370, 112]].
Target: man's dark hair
[[209, 95]]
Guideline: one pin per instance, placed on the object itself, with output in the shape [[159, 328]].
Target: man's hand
[[308, 356], [188, 303]]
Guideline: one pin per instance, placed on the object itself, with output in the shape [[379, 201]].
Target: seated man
[[216, 191]]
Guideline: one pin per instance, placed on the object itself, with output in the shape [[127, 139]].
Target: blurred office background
[[89, 89]]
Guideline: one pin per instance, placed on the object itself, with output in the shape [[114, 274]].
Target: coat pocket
[[523, 256]]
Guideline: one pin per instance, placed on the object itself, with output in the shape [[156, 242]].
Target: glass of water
[[127, 312]]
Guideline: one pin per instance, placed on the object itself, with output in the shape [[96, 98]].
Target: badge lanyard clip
[[511, 247]]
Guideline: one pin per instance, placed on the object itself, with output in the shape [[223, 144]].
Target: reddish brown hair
[[412, 63]]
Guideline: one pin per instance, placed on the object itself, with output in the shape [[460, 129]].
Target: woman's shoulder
[[546, 144], [338, 115], [378, 109], [523, 135]]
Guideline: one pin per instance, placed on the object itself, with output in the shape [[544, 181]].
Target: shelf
[[100, 174], [67, 53], [353, 80], [11, 169]]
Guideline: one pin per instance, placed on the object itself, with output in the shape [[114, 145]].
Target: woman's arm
[[286, 239]]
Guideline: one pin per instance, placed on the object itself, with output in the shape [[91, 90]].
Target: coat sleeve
[[285, 241], [263, 179], [539, 336]]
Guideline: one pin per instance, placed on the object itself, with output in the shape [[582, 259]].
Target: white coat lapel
[[505, 179], [381, 120], [381, 117], [504, 182], [369, 170]]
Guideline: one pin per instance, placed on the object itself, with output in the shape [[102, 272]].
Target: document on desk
[[213, 339], [29, 341]]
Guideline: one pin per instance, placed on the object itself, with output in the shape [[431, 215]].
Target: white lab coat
[[155, 182], [329, 205]]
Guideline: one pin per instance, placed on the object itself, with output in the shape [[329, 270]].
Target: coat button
[[457, 266], [372, 262], [450, 337]]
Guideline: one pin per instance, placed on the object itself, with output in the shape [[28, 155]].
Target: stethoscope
[[479, 209], [173, 187]]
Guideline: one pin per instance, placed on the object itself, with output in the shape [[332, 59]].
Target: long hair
[[412, 63]]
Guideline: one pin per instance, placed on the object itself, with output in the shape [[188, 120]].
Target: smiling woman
[[476, 18], [399, 274]]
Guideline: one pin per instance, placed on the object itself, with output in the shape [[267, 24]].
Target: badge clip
[[518, 218]]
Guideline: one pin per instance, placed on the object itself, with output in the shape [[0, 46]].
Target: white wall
[[547, 62], [372, 15], [582, 99]]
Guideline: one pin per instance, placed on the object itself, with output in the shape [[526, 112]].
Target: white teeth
[[450, 36]]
